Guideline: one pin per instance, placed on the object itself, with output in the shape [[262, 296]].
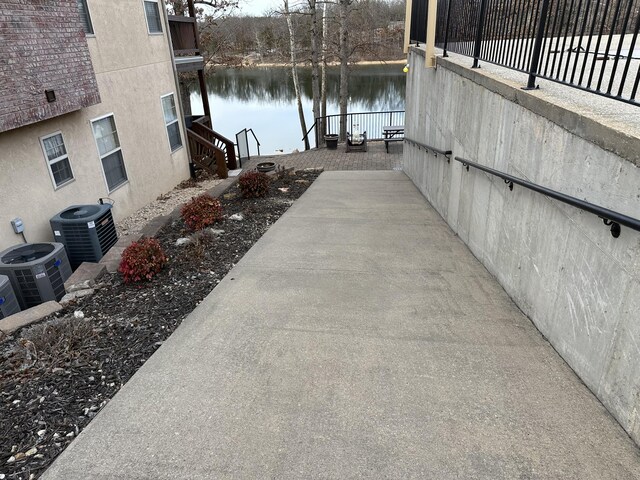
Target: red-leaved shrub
[[201, 212], [254, 184], [142, 260]]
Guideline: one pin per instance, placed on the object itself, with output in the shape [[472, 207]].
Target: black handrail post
[[446, 29], [478, 43], [315, 125], [537, 47]]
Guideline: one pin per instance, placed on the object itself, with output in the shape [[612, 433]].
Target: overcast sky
[[258, 7]]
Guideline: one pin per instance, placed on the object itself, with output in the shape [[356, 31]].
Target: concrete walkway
[[358, 338]]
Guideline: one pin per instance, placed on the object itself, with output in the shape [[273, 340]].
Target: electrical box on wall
[[17, 225]]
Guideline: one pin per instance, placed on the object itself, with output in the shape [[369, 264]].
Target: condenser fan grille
[[107, 235], [27, 253], [78, 243], [28, 287], [55, 277], [80, 213], [8, 301]]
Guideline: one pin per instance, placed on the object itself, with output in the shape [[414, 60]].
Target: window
[[171, 121], [152, 12], [106, 135], [57, 159], [83, 9]]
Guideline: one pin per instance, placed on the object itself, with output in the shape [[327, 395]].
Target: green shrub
[[254, 184], [142, 260], [201, 212]]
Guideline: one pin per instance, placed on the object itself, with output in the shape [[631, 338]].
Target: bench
[[392, 133]]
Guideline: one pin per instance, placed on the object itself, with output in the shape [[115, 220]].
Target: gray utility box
[[8, 301], [37, 272], [86, 231]]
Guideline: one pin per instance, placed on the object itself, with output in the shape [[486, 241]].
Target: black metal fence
[[587, 44], [418, 21], [370, 122]]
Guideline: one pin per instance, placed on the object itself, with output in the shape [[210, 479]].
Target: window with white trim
[[171, 121], [152, 12], [108, 143], [83, 9], [57, 158]]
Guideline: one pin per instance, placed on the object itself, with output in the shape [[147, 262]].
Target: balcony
[[186, 48]]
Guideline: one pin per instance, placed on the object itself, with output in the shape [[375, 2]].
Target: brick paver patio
[[376, 158]]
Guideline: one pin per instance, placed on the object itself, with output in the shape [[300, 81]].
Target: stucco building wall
[[133, 70]]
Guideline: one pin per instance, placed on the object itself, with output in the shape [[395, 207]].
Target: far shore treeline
[[307, 32]]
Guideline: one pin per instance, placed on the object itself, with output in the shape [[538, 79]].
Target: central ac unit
[[87, 232], [37, 272], [8, 301]]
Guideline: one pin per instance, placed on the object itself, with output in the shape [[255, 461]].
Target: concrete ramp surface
[[359, 338]]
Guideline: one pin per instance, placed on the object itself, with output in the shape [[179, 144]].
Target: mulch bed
[[57, 375]]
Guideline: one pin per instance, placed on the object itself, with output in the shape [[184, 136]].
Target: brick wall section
[[43, 47]]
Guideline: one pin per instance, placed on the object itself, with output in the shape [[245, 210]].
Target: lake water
[[263, 99]]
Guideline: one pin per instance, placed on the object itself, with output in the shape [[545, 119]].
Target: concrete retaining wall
[[579, 285]]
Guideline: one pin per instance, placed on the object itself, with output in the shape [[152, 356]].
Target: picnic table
[[392, 133]]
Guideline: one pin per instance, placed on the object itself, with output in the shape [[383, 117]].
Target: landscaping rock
[[237, 217], [111, 260], [28, 316], [84, 277], [182, 241], [152, 228], [75, 295], [84, 285]]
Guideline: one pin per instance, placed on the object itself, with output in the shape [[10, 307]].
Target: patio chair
[[357, 142]]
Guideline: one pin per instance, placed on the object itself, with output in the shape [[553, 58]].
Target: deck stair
[[210, 150]]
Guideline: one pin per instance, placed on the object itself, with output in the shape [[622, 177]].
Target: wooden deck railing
[[206, 155], [201, 126], [184, 35]]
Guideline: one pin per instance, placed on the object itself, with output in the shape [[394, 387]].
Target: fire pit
[[265, 167]]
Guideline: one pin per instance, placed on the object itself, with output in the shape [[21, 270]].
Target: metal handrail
[[256, 139], [436, 151], [306, 135], [610, 217]]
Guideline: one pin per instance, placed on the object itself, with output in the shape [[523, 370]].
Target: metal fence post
[[446, 29], [479, 31], [537, 46]]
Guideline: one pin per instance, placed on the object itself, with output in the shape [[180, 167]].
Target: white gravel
[[162, 205]]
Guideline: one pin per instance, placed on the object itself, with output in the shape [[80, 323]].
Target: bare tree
[[323, 83], [294, 73], [316, 41], [343, 10]]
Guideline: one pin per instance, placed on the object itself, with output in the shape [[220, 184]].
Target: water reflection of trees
[[371, 88]]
